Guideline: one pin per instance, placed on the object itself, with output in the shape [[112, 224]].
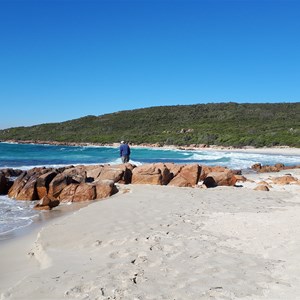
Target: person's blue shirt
[[124, 150]]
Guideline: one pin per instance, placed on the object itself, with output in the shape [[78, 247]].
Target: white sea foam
[[15, 214]]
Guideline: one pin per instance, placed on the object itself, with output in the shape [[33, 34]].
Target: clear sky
[[61, 60]]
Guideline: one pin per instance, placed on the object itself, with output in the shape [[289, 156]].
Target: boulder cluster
[[82, 183], [276, 168]]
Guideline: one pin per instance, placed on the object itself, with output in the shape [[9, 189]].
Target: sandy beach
[[161, 242]]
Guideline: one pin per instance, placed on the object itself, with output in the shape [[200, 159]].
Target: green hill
[[228, 124]]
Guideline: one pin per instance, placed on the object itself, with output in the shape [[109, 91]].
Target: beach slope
[[161, 242]]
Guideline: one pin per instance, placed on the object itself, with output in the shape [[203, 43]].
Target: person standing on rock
[[124, 152]]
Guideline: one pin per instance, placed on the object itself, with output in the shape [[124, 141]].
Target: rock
[[9, 172], [93, 171], [147, 174], [29, 192], [75, 175], [42, 183], [84, 192], [117, 173], [279, 166], [205, 170], [46, 204], [263, 182], [187, 177], [3, 184], [240, 178], [18, 185], [226, 178], [262, 187], [24, 187], [287, 179], [166, 174], [58, 183], [67, 194], [264, 169], [105, 188], [256, 167], [174, 169]]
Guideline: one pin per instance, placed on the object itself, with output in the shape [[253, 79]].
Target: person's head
[[122, 142]]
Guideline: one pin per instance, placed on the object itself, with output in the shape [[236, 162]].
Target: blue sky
[[61, 60]]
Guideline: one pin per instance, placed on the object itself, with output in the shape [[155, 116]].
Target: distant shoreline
[[284, 150]]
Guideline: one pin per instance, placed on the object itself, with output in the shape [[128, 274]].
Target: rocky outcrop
[[67, 184], [226, 178], [59, 182], [147, 174], [105, 188], [18, 185], [82, 183], [205, 170], [9, 172], [276, 168], [286, 179], [262, 187], [188, 176], [84, 192], [43, 182], [3, 184], [46, 204]]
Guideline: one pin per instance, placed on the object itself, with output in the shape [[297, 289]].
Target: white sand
[[159, 242], [280, 150]]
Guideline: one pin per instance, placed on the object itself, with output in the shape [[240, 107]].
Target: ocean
[[19, 214]]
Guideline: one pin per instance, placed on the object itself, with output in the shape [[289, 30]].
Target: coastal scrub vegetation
[[223, 124]]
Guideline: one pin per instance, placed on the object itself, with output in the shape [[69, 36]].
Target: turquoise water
[[18, 214], [26, 156]]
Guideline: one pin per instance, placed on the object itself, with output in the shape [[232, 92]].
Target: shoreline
[[283, 150], [155, 242], [43, 219]]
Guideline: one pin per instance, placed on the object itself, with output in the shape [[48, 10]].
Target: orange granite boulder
[[3, 184], [105, 188], [42, 183], [147, 174], [46, 204], [67, 194], [84, 192], [18, 185], [59, 182], [205, 170], [286, 179], [187, 177], [92, 172], [75, 174], [262, 187], [226, 178], [118, 173]]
